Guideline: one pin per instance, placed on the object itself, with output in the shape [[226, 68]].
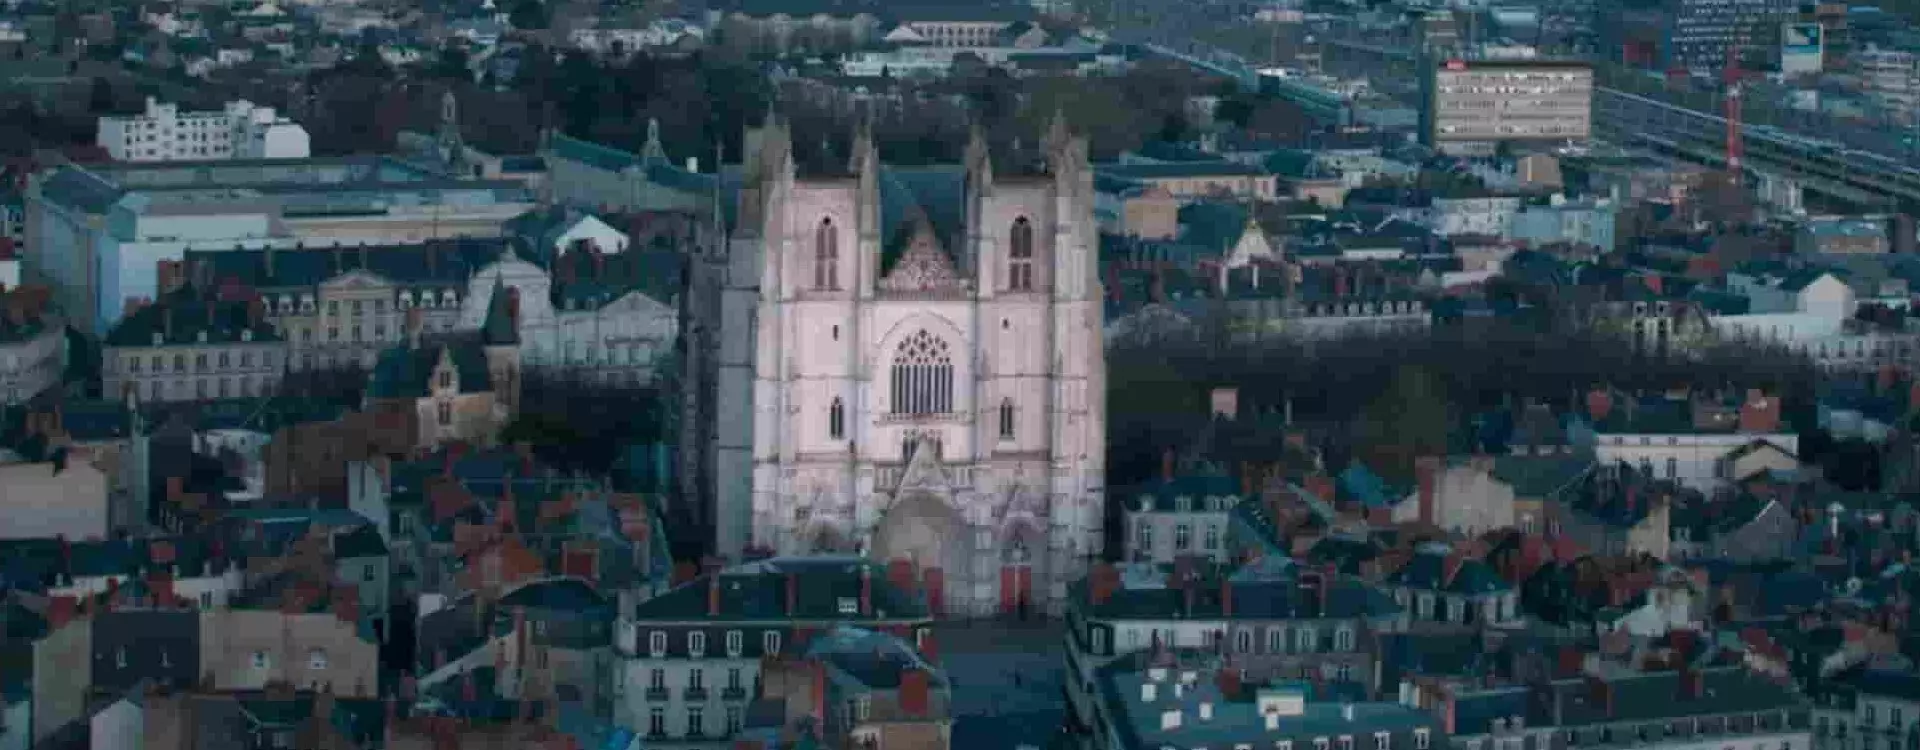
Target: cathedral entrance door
[[1016, 579], [923, 533]]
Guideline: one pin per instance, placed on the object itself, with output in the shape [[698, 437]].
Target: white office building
[[239, 131]]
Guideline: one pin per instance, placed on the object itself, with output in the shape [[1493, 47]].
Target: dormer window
[[246, 334], [159, 338], [1183, 504], [657, 643]]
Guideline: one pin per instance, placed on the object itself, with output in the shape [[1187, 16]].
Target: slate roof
[[405, 371], [435, 264], [1539, 476], [1428, 570], [1651, 697], [872, 659], [182, 317], [757, 592], [1145, 594]]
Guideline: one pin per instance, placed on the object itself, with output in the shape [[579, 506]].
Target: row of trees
[[1403, 396]]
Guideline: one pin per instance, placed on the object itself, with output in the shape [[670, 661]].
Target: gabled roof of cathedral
[[937, 195]]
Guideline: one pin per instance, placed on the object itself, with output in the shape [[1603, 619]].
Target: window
[[1305, 640], [1276, 640], [657, 679], [1243, 641], [657, 722], [734, 643], [837, 419], [770, 642], [826, 256], [1422, 739], [1006, 419], [696, 679], [1099, 638], [657, 643], [1321, 743], [1346, 742], [445, 413], [446, 379], [734, 720], [697, 645], [1182, 536], [733, 679], [696, 722], [260, 660], [1143, 535], [1382, 741], [1020, 256], [316, 659], [1213, 537], [120, 657], [1343, 639], [922, 376], [1673, 468]]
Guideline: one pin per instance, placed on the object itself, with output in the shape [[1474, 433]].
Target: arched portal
[[1023, 552], [922, 530]]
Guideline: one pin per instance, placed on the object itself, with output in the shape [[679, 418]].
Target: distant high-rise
[[1701, 32]]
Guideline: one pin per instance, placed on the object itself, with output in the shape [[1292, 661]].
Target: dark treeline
[[1398, 395]]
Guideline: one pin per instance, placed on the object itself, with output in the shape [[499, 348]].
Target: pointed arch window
[[837, 419], [1020, 256], [826, 256], [1006, 419], [922, 376]]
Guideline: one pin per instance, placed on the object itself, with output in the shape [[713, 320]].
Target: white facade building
[[615, 338], [239, 131], [912, 367]]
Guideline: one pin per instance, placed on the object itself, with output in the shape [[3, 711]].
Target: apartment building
[[240, 130], [192, 347], [33, 343], [1472, 107]]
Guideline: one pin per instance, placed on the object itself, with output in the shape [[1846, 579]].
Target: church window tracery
[[1020, 256], [922, 376], [826, 256]]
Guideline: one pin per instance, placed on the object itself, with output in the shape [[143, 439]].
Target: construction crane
[[1736, 148]]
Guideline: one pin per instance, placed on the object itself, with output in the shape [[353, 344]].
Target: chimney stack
[[1167, 465], [793, 594], [1427, 469], [1599, 404], [1226, 598], [915, 693], [866, 591], [416, 319], [713, 595]]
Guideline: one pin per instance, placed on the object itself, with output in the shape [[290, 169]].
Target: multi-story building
[[1275, 618], [689, 661], [1181, 517], [868, 689], [1893, 77], [1702, 35], [1686, 440], [240, 130], [96, 234], [1866, 706], [33, 344], [913, 366], [1185, 698], [1474, 106], [191, 346]]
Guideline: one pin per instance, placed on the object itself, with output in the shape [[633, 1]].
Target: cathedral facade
[[924, 381]]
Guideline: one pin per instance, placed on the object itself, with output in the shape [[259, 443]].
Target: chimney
[[930, 648], [363, 256], [513, 306], [1105, 580], [1760, 414], [433, 260], [915, 693], [1226, 598], [267, 260], [1166, 465], [1692, 683], [1426, 469], [166, 322], [1228, 679], [713, 595], [1570, 662], [793, 594], [866, 591], [416, 320], [1599, 404]]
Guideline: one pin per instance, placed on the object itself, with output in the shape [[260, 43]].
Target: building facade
[[918, 373], [186, 348], [239, 130], [1472, 106]]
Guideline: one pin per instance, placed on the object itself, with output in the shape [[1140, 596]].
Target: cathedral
[[911, 368]]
